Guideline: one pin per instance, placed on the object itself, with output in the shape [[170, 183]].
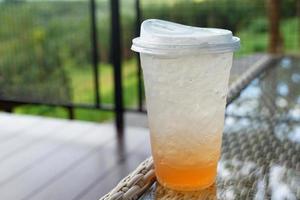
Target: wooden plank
[[53, 167], [73, 180], [12, 121], [110, 180], [12, 125], [27, 158], [29, 137], [97, 165]]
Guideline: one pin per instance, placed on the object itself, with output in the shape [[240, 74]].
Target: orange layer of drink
[[186, 167]]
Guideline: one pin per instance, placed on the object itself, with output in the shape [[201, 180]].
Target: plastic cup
[[186, 71]]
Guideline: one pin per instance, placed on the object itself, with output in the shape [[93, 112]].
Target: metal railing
[[7, 104]]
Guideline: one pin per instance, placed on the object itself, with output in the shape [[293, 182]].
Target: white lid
[[164, 38]]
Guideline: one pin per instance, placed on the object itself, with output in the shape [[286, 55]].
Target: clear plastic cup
[[186, 71]]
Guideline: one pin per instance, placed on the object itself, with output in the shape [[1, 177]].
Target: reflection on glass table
[[275, 94]]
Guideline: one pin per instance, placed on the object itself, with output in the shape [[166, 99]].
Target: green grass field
[[83, 88], [253, 39]]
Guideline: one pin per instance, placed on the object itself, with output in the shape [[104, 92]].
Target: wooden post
[[275, 39], [298, 18]]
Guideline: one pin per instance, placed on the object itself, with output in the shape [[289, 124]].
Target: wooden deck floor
[[52, 159]]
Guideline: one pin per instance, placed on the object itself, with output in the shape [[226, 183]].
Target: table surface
[[54, 159], [261, 142]]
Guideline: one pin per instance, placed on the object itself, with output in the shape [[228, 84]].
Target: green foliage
[[290, 32], [25, 71], [258, 41], [288, 8], [42, 110], [81, 83], [260, 25], [230, 14]]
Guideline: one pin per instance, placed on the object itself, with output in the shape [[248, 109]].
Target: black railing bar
[[95, 53], [116, 61], [139, 71], [71, 113], [104, 107]]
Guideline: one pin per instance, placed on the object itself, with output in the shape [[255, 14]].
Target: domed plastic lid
[[167, 38]]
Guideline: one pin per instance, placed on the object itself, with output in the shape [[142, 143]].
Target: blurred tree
[[275, 38], [13, 1], [31, 65], [298, 16]]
